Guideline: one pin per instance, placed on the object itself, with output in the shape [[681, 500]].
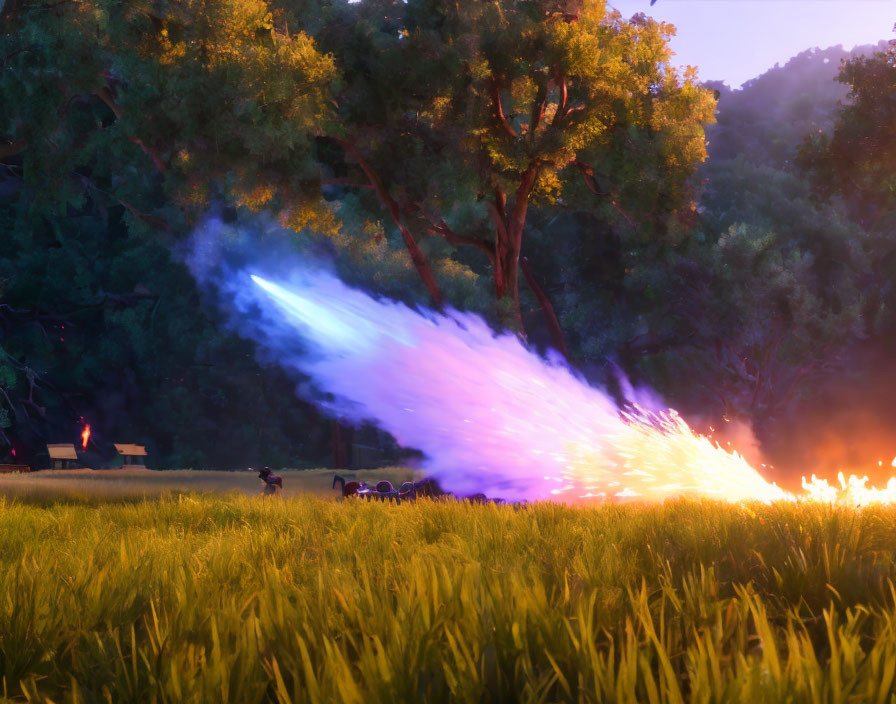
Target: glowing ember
[[85, 436], [489, 415]]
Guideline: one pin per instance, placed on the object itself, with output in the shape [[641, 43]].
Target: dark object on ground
[[273, 483], [408, 491], [477, 499], [348, 488], [429, 488], [382, 492]]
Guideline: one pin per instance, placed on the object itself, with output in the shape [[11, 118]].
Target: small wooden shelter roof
[[130, 450], [62, 452]]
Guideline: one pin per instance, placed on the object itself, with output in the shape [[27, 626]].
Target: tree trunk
[[509, 226], [547, 309]]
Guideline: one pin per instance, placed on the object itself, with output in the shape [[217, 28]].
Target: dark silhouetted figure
[[273, 483]]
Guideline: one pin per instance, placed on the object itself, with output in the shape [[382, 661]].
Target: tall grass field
[[197, 596]]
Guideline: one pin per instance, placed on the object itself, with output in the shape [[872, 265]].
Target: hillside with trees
[[769, 116]]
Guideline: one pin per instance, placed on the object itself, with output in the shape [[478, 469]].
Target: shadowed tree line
[[532, 162]]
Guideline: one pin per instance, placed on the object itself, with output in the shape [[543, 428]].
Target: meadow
[[202, 596], [89, 485]]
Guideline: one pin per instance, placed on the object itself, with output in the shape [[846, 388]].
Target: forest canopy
[[542, 166]]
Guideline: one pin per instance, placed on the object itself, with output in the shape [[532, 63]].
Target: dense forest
[[732, 250]]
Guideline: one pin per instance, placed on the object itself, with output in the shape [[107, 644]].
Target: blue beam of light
[[330, 316], [326, 324]]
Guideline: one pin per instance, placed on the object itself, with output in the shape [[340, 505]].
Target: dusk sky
[[736, 40]]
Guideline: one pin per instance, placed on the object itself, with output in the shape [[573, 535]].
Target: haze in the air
[[736, 40]]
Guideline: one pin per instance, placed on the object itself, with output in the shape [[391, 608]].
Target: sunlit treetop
[[449, 118], [459, 116]]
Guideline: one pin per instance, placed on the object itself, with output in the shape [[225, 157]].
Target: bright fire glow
[[489, 415], [85, 436], [852, 491]]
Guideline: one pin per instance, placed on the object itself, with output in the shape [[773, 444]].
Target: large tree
[[855, 159], [458, 117], [853, 164]]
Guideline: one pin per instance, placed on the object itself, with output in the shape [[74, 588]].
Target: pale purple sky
[[736, 40]]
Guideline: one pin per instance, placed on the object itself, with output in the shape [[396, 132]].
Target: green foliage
[[109, 327], [856, 158], [853, 164], [98, 319], [198, 598], [769, 296], [515, 105]]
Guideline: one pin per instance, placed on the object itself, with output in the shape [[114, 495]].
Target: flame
[[85, 436], [852, 491]]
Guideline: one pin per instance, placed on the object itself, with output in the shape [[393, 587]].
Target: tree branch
[[441, 229], [538, 107], [564, 96], [106, 96], [496, 211], [25, 315], [149, 219], [40, 410], [563, 112], [588, 176], [156, 159], [128, 299], [517, 216], [546, 308], [392, 206], [347, 182], [499, 111], [501, 202]]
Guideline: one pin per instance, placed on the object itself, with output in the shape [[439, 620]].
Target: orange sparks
[[657, 456], [85, 436]]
